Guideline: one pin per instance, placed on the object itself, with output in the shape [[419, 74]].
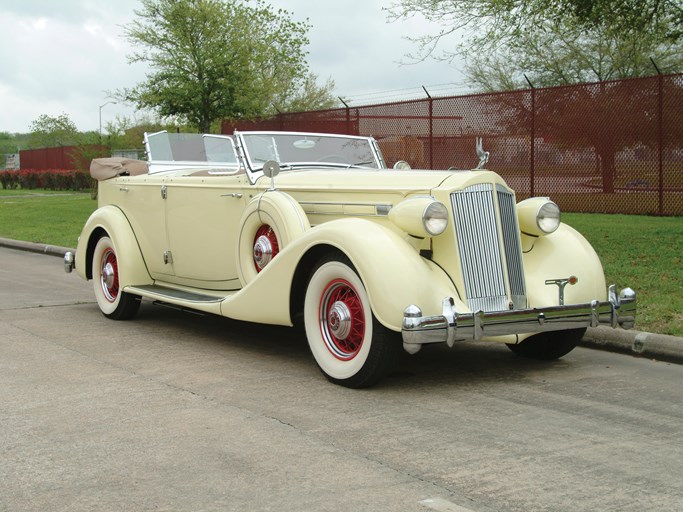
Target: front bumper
[[451, 326]]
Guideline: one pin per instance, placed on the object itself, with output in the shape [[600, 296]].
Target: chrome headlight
[[435, 218], [402, 165], [421, 217], [548, 217], [538, 216]]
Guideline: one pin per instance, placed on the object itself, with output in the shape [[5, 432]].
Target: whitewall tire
[[113, 302], [348, 343]]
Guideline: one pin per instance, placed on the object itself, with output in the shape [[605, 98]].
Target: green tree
[[553, 43], [8, 143], [660, 16], [306, 95], [561, 53], [214, 59], [125, 133], [53, 131]]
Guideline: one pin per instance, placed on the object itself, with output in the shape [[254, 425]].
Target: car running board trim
[[166, 294]]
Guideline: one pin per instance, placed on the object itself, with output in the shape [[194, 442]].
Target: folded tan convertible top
[[106, 168]]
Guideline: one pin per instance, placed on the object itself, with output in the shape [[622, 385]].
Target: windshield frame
[[254, 168], [174, 140]]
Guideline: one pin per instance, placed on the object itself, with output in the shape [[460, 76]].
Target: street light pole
[[107, 103]]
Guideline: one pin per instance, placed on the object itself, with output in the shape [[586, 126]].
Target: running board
[[174, 307], [173, 295]]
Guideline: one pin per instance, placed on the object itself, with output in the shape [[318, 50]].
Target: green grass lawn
[[642, 252], [646, 254], [44, 216]]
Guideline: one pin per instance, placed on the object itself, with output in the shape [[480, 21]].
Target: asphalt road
[[179, 412]]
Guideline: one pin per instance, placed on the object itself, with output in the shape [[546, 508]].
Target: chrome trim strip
[[513, 247], [618, 311], [381, 209], [332, 203]]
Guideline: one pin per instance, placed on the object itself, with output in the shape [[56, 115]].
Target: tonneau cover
[[106, 168]]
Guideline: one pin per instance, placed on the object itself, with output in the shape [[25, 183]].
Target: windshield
[[190, 147], [303, 149]]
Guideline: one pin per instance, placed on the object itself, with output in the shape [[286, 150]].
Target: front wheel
[[113, 302], [348, 343], [549, 345]]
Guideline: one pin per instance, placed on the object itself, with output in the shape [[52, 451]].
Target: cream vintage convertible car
[[285, 228]]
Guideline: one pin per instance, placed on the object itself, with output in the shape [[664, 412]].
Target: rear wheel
[[113, 302], [348, 343], [549, 345]]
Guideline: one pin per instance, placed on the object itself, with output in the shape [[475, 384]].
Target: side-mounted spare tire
[[270, 221]]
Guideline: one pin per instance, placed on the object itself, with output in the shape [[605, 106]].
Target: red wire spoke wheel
[[342, 320], [112, 301], [351, 347], [109, 275]]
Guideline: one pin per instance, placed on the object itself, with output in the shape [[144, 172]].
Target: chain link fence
[[609, 147]]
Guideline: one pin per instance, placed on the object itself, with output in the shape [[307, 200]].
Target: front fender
[[110, 220], [394, 274], [560, 255]]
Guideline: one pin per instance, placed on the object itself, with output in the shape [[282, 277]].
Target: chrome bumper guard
[[69, 261], [451, 326]]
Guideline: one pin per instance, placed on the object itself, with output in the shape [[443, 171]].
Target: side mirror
[[271, 169]]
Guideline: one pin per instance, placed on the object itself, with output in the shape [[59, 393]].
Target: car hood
[[414, 181]]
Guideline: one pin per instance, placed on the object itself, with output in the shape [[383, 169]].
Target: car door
[[142, 202], [202, 220]]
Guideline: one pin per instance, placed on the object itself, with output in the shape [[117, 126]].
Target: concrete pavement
[[637, 343], [180, 412]]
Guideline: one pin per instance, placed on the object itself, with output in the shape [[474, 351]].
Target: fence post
[[533, 137], [431, 128], [348, 116], [660, 140]]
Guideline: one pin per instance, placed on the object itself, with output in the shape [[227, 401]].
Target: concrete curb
[[636, 343], [644, 344], [52, 250]]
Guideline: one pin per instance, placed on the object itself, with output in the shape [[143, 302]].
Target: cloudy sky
[[63, 56]]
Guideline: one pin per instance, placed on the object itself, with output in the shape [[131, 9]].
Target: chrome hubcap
[[263, 251], [108, 275], [339, 320]]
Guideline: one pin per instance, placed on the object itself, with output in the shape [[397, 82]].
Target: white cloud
[[39, 24], [64, 56]]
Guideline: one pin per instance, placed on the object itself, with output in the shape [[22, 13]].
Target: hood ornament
[[483, 155]]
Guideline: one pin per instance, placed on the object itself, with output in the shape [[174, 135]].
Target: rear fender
[[110, 221]]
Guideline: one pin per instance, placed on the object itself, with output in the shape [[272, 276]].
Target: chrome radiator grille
[[491, 262]]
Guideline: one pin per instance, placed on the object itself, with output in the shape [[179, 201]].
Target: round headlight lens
[[435, 218], [548, 217]]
